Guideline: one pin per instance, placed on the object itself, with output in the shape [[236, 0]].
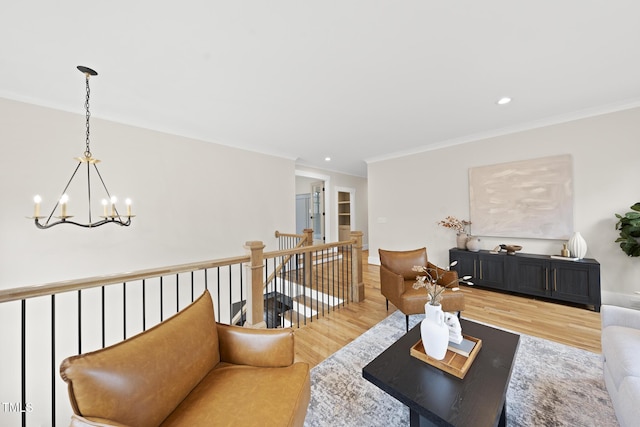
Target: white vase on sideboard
[[577, 246], [461, 240]]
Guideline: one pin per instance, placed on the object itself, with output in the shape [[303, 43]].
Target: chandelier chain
[[87, 151]]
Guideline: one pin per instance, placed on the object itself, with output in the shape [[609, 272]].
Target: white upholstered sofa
[[621, 355]]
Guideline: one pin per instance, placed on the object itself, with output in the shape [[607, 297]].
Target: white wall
[[409, 195], [193, 200]]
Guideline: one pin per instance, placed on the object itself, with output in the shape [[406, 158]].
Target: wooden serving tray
[[453, 363]]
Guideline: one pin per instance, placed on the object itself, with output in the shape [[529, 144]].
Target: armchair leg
[[407, 319]]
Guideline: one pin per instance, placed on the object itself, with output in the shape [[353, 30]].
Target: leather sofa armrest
[[391, 284], [448, 276], [619, 316], [267, 348], [78, 421]]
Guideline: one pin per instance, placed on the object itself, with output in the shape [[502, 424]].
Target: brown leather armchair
[[397, 279], [191, 371]]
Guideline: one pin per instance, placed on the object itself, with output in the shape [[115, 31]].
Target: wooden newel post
[[255, 273], [308, 234], [307, 258], [357, 284]]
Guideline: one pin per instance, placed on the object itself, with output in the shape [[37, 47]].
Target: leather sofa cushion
[[620, 349], [131, 385], [256, 396]]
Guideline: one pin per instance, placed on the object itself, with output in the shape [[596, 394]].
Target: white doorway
[[313, 201], [345, 211]]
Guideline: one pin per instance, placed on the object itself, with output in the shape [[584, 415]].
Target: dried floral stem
[[455, 224], [430, 280]]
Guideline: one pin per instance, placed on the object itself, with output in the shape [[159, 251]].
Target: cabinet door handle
[[474, 269], [555, 281], [546, 279], [480, 269]]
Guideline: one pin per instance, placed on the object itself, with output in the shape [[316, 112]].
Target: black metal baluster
[[79, 322], [103, 317], [297, 292], [161, 298], [23, 350], [335, 258], [350, 278], [323, 279], [218, 278], [192, 286], [317, 284], [277, 297], [241, 296], [53, 360], [231, 297], [124, 310], [177, 292], [144, 305]]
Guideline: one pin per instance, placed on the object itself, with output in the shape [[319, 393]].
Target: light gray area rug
[[551, 385]]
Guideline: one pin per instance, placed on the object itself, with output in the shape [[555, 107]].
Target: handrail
[[279, 234], [25, 292], [304, 249]]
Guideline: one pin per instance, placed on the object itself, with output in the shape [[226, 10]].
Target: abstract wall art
[[528, 198]]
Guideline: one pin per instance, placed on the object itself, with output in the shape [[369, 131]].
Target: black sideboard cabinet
[[531, 274]]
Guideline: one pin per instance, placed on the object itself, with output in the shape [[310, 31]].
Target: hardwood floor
[[574, 326]]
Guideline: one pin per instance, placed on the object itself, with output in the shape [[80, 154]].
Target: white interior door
[[303, 212]]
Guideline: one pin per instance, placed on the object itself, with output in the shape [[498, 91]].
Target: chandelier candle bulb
[[36, 210], [113, 206], [63, 205], [128, 202], [104, 208]]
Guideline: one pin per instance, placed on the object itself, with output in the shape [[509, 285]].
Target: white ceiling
[[356, 80]]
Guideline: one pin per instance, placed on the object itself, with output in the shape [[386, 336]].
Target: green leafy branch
[[629, 226]]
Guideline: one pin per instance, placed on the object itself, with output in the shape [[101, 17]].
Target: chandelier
[[110, 212]]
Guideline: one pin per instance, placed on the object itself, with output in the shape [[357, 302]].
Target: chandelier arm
[[106, 190], [63, 191], [90, 225]]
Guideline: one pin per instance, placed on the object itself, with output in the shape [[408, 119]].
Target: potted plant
[[629, 226], [460, 226]]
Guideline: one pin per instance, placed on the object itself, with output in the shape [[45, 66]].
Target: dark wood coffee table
[[435, 397]]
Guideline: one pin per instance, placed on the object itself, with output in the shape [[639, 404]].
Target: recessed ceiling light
[[327, 159], [504, 100]]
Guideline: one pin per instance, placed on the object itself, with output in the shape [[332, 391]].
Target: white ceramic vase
[[461, 240], [473, 244], [577, 246], [434, 332]]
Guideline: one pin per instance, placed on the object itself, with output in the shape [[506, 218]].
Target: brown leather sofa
[[191, 371], [397, 279]]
